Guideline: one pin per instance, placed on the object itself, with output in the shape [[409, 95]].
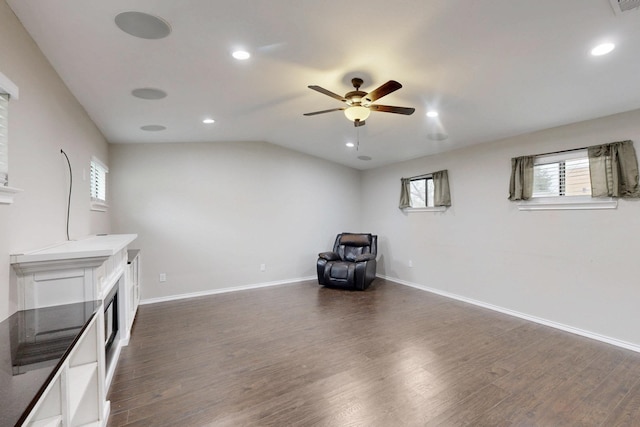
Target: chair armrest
[[329, 256], [365, 257]]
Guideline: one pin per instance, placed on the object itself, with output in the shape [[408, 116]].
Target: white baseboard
[[224, 290], [556, 325]]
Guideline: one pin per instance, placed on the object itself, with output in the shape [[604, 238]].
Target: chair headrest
[[355, 239]]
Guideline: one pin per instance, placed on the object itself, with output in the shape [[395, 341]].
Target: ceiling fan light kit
[[360, 104], [357, 113]]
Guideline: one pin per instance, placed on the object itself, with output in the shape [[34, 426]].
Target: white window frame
[[412, 209], [565, 202], [7, 87], [98, 204]]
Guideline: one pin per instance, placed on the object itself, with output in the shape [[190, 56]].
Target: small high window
[[422, 192], [4, 139], [562, 175], [98, 185]]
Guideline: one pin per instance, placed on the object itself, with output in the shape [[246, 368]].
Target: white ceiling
[[492, 68]]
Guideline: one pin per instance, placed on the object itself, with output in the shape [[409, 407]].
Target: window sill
[[7, 193], [567, 203], [98, 207], [432, 209]]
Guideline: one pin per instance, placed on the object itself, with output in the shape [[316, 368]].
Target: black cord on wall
[[70, 187]]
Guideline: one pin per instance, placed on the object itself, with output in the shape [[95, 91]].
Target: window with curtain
[[421, 192], [425, 192], [562, 175], [587, 178], [98, 184]]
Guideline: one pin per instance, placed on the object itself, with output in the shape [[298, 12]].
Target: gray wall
[[209, 214], [44, 120], [576, 268]]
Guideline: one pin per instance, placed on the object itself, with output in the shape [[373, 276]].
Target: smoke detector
[[621, 6]]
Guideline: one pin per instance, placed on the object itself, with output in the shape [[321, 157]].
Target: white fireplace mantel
[[99, 246], [96, 268], [69, 272]]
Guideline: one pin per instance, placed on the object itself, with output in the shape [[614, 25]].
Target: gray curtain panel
[[441, 196], [521, 184], [614, 170], [405, 198]]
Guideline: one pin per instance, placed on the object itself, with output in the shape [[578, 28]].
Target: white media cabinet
[[90, 269]]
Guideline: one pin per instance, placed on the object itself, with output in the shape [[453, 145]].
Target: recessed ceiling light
[[241, 54], [208, 121], [432, 114], [602, 49], [149, 93], [143, 25], [365, 158], [153, 128], [350, 144]]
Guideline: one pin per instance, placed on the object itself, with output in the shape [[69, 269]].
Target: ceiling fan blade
[[324, 111], [389, 109], [385, 89], [328, 93], [359, 123]]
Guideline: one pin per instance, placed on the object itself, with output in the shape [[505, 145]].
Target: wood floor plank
[[305, 355]]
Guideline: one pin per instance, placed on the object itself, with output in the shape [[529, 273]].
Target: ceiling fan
[[360, 104]]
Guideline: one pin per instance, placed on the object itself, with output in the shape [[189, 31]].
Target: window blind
[[553, 176], [4, 139], [98, 179]]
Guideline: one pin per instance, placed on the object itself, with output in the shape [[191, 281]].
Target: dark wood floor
[[302, 355]]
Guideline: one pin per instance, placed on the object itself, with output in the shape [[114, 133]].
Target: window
[[8, 91], [421, 192], [425, 193], [562, 175], [563, 181], [98, 185], [4, 140]]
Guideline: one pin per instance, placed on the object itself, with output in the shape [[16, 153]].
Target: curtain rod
[[573, 149], [426, 175], [560, 152]]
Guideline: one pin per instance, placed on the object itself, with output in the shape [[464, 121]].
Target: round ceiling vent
[[143, 25], [153, 128], [149, 93], [437, 136]]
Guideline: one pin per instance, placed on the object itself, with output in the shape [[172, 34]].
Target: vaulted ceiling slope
[[491, 68]]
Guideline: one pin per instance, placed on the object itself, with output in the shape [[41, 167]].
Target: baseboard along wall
[[539, 320], [603, 338], [224, 290]]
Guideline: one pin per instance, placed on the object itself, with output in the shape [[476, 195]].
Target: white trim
[[427, 209], [539, 320], [225, 290], [567, 203], [7, 194], [7, 86], [100, 163], [98, 206]]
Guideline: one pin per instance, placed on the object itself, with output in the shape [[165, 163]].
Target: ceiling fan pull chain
[[358, 138]]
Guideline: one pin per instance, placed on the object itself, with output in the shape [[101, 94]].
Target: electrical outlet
[[410, 263], [163, 277], [263, 267]]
